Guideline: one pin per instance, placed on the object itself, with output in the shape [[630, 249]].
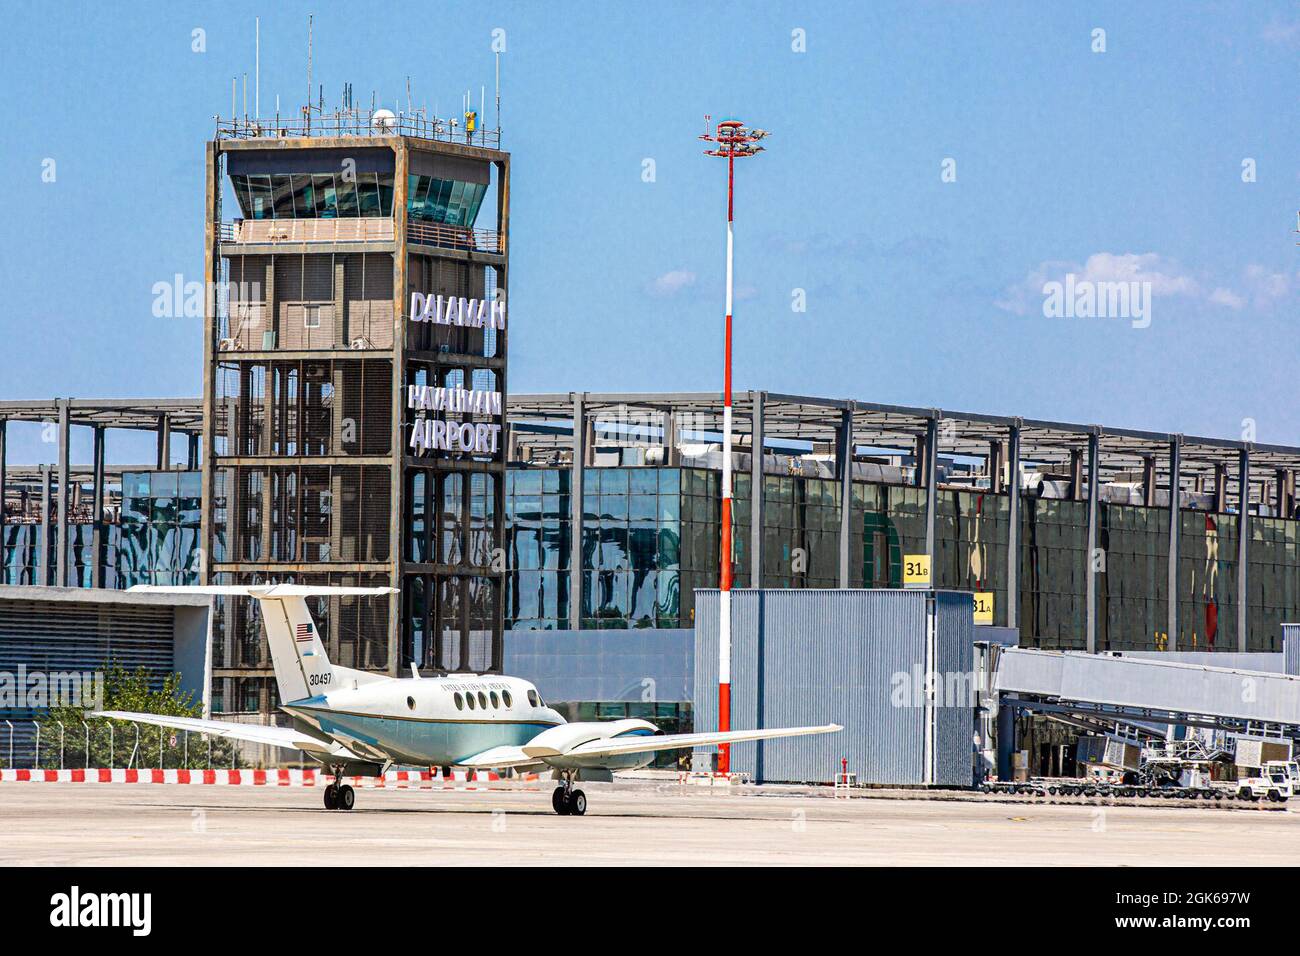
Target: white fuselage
[[439, 721]]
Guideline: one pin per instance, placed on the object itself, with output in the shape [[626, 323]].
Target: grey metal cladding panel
[[744, 671], [1158, 685], [1024, 671], [1178, 687], [704, 694], [56, 635], [1271, 662], [955, 672], [443, 166], [1291, 648], [594, 665], [828, 656], [367, 159]]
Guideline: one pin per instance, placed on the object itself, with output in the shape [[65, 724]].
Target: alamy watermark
[[920, 688], [42, 690], [179, 298], [1077, 298]]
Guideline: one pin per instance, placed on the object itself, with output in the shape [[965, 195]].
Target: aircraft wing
[[613, 746], [286, 737], [500, 757]]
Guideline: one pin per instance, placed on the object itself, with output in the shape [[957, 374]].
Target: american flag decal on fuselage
[[304, 633]]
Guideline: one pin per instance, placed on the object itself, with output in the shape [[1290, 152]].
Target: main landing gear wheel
[[567, 801], [338, 795]]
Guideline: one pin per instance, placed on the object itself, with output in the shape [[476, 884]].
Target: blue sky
[[1124, 163]]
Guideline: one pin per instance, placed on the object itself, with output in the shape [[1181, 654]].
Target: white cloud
[[671, 283], [1257, 286], [1165, 275], [1266, 288], [1226, 297]]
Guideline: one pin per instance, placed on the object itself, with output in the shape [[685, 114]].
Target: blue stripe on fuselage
[[435, 743]]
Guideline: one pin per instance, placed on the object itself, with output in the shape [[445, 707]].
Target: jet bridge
[[1091, 688]]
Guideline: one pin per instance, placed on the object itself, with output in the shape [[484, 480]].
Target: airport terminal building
[[355, 428]]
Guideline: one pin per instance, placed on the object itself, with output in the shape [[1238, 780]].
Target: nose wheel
[[339, 796], [568, 801]]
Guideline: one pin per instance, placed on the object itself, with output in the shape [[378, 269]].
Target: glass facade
[[154, 541], [650, 537], [631, 543], [446, 201], [21, 545], [1053, 573], [161, 514], [538, 545], [314, 195]]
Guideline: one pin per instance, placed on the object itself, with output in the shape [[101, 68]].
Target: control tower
[[355, 351]]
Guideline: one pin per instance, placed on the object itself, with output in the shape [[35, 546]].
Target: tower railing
[[357, 123]]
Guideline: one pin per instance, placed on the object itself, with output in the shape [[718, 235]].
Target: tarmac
[[634, 823]]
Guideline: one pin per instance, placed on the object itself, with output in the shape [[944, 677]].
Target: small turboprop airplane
[[363, 723]]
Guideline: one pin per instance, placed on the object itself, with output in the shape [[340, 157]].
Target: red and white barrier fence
[[394, 779]]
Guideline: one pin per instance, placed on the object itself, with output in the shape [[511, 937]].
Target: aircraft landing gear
[[339, 796], [566, 801]]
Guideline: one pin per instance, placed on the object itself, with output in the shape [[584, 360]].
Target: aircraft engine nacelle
[[552, 745]]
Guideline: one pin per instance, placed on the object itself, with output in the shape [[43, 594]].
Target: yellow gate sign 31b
[[916, 570], [983, 607]]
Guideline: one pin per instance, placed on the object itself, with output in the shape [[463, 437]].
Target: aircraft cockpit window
[[532, 698], [505, 696], [496, 702], [482, 700], [460, 701]]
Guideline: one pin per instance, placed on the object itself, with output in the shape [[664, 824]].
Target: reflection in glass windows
[[445, 201], [317, 195]]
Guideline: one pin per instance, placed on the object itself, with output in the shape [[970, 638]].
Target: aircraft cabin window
[[532, 697], [469, 699], [482, 700], [460, 701], [495, 700], [410, 703], [505, 696]]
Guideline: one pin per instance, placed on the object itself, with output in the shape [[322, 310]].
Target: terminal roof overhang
[[795, 419], [880, 427], [184, 415]]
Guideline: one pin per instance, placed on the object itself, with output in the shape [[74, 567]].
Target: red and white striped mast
[[732, 140]]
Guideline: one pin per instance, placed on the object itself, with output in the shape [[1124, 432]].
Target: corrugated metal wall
[[1291, 649], [853, 657], [955, 669], [52, 637]]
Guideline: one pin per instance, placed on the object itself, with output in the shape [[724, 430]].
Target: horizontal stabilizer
[[286, 737]]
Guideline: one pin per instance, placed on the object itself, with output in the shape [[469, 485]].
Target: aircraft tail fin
[[302, 668]]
